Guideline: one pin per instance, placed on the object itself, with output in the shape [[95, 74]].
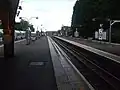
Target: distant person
[[27, 36]]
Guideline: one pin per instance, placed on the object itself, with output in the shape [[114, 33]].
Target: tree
[[22, 25], [1, 26], [18, 26], [82, 15], [85, 10], [32, 28]]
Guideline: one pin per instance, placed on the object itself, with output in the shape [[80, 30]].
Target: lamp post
[[37, 33], [28, 32], [42, 30], [111, 23], [29, 18], [110, 31]]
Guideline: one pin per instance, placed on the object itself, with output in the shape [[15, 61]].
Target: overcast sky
[[52, 13]]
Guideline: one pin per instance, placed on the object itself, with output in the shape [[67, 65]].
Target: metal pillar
[[111, 23], [7, 16], [8, 35], [110, 32]]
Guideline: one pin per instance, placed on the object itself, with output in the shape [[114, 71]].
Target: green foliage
[[18, 26], [85, 10], [24, 25], [1, 26], [32, 28]]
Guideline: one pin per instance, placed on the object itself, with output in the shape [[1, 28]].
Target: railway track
[[103, 74]]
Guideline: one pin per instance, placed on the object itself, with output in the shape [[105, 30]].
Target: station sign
[[76, 34], [100, 34]]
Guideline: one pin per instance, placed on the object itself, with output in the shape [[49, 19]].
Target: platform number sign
[[100, 34]]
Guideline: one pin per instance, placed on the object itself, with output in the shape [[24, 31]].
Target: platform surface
[[111, 48], [30, 69]]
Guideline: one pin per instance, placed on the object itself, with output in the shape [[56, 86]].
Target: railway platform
[[111, 48], [103, 66], [40, 66], [104, 50]]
